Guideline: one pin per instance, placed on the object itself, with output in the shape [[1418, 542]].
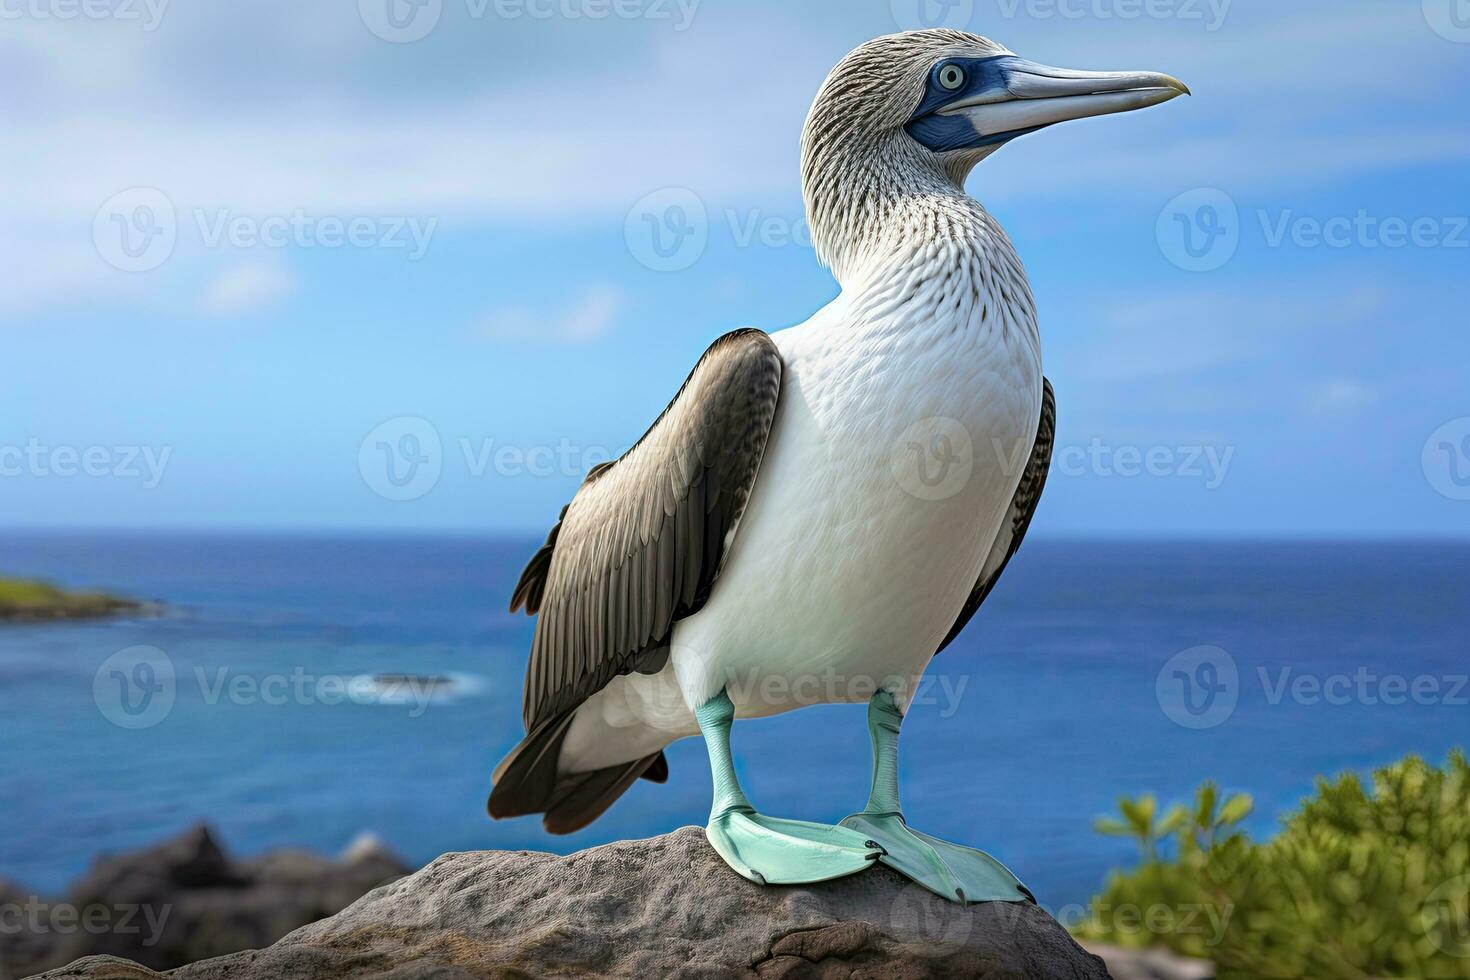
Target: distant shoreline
[[32, 601]]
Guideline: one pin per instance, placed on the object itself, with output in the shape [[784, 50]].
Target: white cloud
[[1339, 397], [589, 317], [43, 264], [246, 288], [1189, 332], [554, 135]]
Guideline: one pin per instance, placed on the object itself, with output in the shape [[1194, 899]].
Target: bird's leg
[[765, 849], [960, 874]]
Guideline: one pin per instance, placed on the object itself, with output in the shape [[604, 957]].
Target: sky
[[415, 265]]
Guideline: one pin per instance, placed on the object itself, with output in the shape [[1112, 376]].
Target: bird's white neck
[[913, 251], [869, 198], [924, 257]]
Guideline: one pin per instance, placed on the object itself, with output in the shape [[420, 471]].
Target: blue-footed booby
[[780, 536]]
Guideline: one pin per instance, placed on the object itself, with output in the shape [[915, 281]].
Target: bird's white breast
[[908, 408]]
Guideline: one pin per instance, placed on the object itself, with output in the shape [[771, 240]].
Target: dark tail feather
[[526, 781], [582, 798], [658, 770]]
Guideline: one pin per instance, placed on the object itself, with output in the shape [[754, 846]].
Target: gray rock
[[186, 900], [22, 949], [665, 907]]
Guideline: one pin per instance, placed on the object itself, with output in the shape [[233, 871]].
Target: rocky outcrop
[[665, 907], [30, 601], [182, 901]]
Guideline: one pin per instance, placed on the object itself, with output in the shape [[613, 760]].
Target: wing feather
[[1018, 517], [641, 543]]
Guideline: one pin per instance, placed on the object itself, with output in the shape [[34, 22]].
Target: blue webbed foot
[[952, 871], [770, 850], [774, 851]]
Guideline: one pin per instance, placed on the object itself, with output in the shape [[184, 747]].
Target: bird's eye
[[951, 77]]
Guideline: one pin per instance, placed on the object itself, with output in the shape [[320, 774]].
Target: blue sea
[[1081, 680]]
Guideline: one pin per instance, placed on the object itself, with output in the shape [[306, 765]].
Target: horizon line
[[1257, 535]]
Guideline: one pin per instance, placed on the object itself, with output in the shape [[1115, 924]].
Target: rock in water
[[665, 907], [181, 901]]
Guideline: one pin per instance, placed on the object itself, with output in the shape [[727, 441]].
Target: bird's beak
[[1024, 96]]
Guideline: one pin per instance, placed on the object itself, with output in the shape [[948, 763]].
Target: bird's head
[[918, 110]]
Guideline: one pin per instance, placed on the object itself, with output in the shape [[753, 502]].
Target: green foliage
[[1138, 822], [1356, 884], [25, 599]]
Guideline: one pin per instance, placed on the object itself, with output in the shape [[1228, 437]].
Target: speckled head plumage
[[906, 117]]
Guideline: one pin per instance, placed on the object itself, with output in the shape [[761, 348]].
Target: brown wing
[[1018, 518], [642, 542]]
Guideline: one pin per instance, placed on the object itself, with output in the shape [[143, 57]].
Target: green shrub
[[25, 599], [1356, 884]]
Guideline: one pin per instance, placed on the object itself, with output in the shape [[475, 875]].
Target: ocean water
[[1080, 681]]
